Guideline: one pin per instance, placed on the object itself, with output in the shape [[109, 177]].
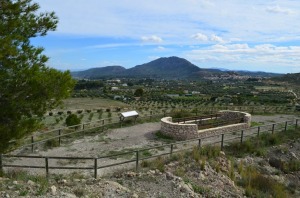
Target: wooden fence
[[5, 160]]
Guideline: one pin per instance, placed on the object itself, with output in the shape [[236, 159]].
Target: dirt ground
[[121, 139]]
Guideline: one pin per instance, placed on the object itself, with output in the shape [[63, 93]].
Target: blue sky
[[256, 35]]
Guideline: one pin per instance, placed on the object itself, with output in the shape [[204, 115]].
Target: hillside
[[289, 78], [99, 72], [172, 67], [167, 67]]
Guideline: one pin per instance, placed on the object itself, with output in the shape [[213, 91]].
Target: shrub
[[50, 113], [72, 119], [51, 143], [60, 112]]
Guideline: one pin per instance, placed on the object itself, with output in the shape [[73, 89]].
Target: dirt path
[[113, 141]]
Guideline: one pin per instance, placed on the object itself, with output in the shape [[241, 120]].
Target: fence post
[[32, 146], [1, 165], [137, 161], [258, 130], [59, 138], [222, 142], [296, 125], [285, 127], [273, 127], [47, 166], [82, 126], [199, 143], [242, 135], [102, 125], [95, 168], [171, 152]]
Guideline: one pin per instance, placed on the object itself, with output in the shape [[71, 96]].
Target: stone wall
[[178, 131], [190, 131]]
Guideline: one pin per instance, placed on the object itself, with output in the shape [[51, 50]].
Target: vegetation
[[72, 120], [257, 145], [28, 87]]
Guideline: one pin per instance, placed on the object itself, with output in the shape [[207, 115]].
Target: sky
[[256, 35]]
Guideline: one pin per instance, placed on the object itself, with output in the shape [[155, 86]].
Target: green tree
[[72, 120], [28, 88], [139, 92]]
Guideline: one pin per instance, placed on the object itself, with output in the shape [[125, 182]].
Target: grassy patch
[[258, 185], [163, 138], [257, 145]]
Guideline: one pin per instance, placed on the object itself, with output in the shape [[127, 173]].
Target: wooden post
[[199, 143], [47, 166], [171, 151], [59, 138], [296, 125], [82, 126], [102, 125], [32, 146], [273, 127], [242, 135], [258, 130], [95, 168], [1, 164], [285, 127], [222, 142], [137, 161]]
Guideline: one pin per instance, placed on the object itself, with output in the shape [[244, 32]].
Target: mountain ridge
[[166, 67]]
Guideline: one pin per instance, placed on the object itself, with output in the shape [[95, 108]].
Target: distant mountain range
[[168, 68]]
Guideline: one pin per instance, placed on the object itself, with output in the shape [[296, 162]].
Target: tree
[[28, 88], [139, 92], [72, 120]]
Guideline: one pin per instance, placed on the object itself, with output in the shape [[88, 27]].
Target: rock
[[276, 163], [222, 153], [31, 183], [134, 195], [185, 189], [15, 182], [294, 155], [77, 180], [53, 190], [151, 172], [68, 195], [169, 176], [131, 174]]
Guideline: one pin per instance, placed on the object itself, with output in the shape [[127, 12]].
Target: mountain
[[168, 68], [99, 72], [290, 78], [171, 67]]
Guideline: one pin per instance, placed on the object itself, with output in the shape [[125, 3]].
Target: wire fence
[[94, 164]]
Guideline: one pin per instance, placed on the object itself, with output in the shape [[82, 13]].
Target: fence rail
[[137, 157]]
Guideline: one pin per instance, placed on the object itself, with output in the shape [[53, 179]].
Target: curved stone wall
[[178, 131], [190, 131]]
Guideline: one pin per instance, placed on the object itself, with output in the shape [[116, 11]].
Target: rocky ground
[[178, 176]]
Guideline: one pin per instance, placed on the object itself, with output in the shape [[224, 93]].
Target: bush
[[50, 113], [72, 119]]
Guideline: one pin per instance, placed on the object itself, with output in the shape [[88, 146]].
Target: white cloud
[[160, 48], [266, 55], [152, 38], [216, 38], [278, 10], [200, 37]]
